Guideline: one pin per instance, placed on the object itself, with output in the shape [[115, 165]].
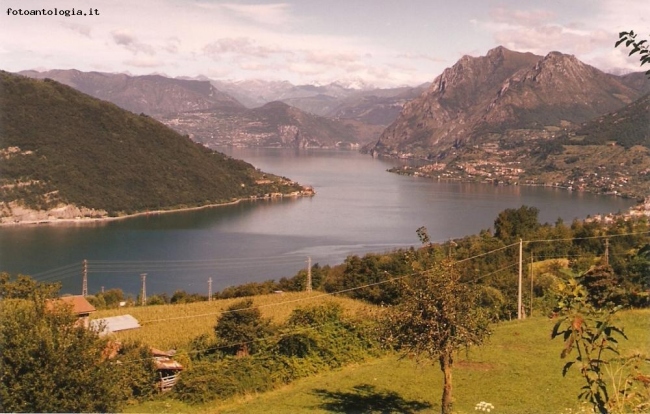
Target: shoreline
[[305, 192], [629, 196]]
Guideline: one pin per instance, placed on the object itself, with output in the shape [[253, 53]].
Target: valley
[[325, 207], [503, 118]]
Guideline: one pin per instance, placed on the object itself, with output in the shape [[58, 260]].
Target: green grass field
[[518, 371], [173, 326]]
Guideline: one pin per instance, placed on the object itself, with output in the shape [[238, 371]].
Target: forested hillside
[[59, 146]]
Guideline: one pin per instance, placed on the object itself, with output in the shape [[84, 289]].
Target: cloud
[[144, 62], [242, 46], [521, 17], [329, 58], [125, 38], [265, 14], [172, 45], [82, 29], [420, 56]]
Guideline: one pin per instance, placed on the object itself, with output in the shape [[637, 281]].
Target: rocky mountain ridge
[[478, 98]]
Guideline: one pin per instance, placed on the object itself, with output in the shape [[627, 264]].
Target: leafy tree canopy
[[51, 364], [438, 316], [240, 328]]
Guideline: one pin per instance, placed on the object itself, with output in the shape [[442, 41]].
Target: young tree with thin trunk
[[438, 316]]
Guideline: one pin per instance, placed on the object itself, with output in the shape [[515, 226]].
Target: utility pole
[[451, 244], [607, 251], [210, 290], [308, 274], [143, 296], [84, 283], [531, 284], [519, 299]]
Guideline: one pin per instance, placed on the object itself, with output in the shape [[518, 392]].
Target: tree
[[601, 285], [638, 46], [438, 316], [24, 287], [240, 327], [51, 364], [512, 224]]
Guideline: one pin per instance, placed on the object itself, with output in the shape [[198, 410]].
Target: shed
[[80, 307], [115, 324], [167, 368]]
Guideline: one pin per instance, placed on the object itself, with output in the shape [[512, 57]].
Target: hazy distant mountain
[[66, 153], [275, 124], [151, 94], [376, 107], [637, 80], [358, 102], [503, 91], [202, 109]]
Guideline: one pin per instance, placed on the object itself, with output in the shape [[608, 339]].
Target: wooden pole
[[519, 296]]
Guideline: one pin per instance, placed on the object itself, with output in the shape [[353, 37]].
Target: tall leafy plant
[[612, 383]]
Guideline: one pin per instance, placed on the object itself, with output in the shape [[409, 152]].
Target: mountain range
[[211, 112], [479, 97], [504, 117], [511, 117]]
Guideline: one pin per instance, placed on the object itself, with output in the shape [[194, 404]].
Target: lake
[[358, 208]]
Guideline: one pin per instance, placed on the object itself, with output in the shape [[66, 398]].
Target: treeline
[[489, 261]]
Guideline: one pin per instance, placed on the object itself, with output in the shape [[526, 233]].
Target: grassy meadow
[[174, 326], [519, 370]]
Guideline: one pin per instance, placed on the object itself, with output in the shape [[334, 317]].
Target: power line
[[311, 297], [589, 237]]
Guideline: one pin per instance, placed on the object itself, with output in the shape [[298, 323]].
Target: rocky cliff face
[[151, 94], [504, 90]]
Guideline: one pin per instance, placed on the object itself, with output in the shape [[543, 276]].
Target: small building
[[113, 324], [167, 368], [79, 305]]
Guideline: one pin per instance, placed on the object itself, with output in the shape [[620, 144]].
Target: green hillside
[[519, 370], [58, 145], [627, 127]]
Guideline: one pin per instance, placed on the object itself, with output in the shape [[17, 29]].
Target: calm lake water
[[359, 208]]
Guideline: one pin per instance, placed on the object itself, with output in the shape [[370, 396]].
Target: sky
[[373, 42]]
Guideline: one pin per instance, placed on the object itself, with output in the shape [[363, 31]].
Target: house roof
[[79, 304], [163, 363], [115, 324]]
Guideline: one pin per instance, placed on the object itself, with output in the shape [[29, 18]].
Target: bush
[[51, 364], [240, 328], [207, 380]]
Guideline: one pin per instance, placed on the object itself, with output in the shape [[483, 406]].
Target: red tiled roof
[[79, 304]]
